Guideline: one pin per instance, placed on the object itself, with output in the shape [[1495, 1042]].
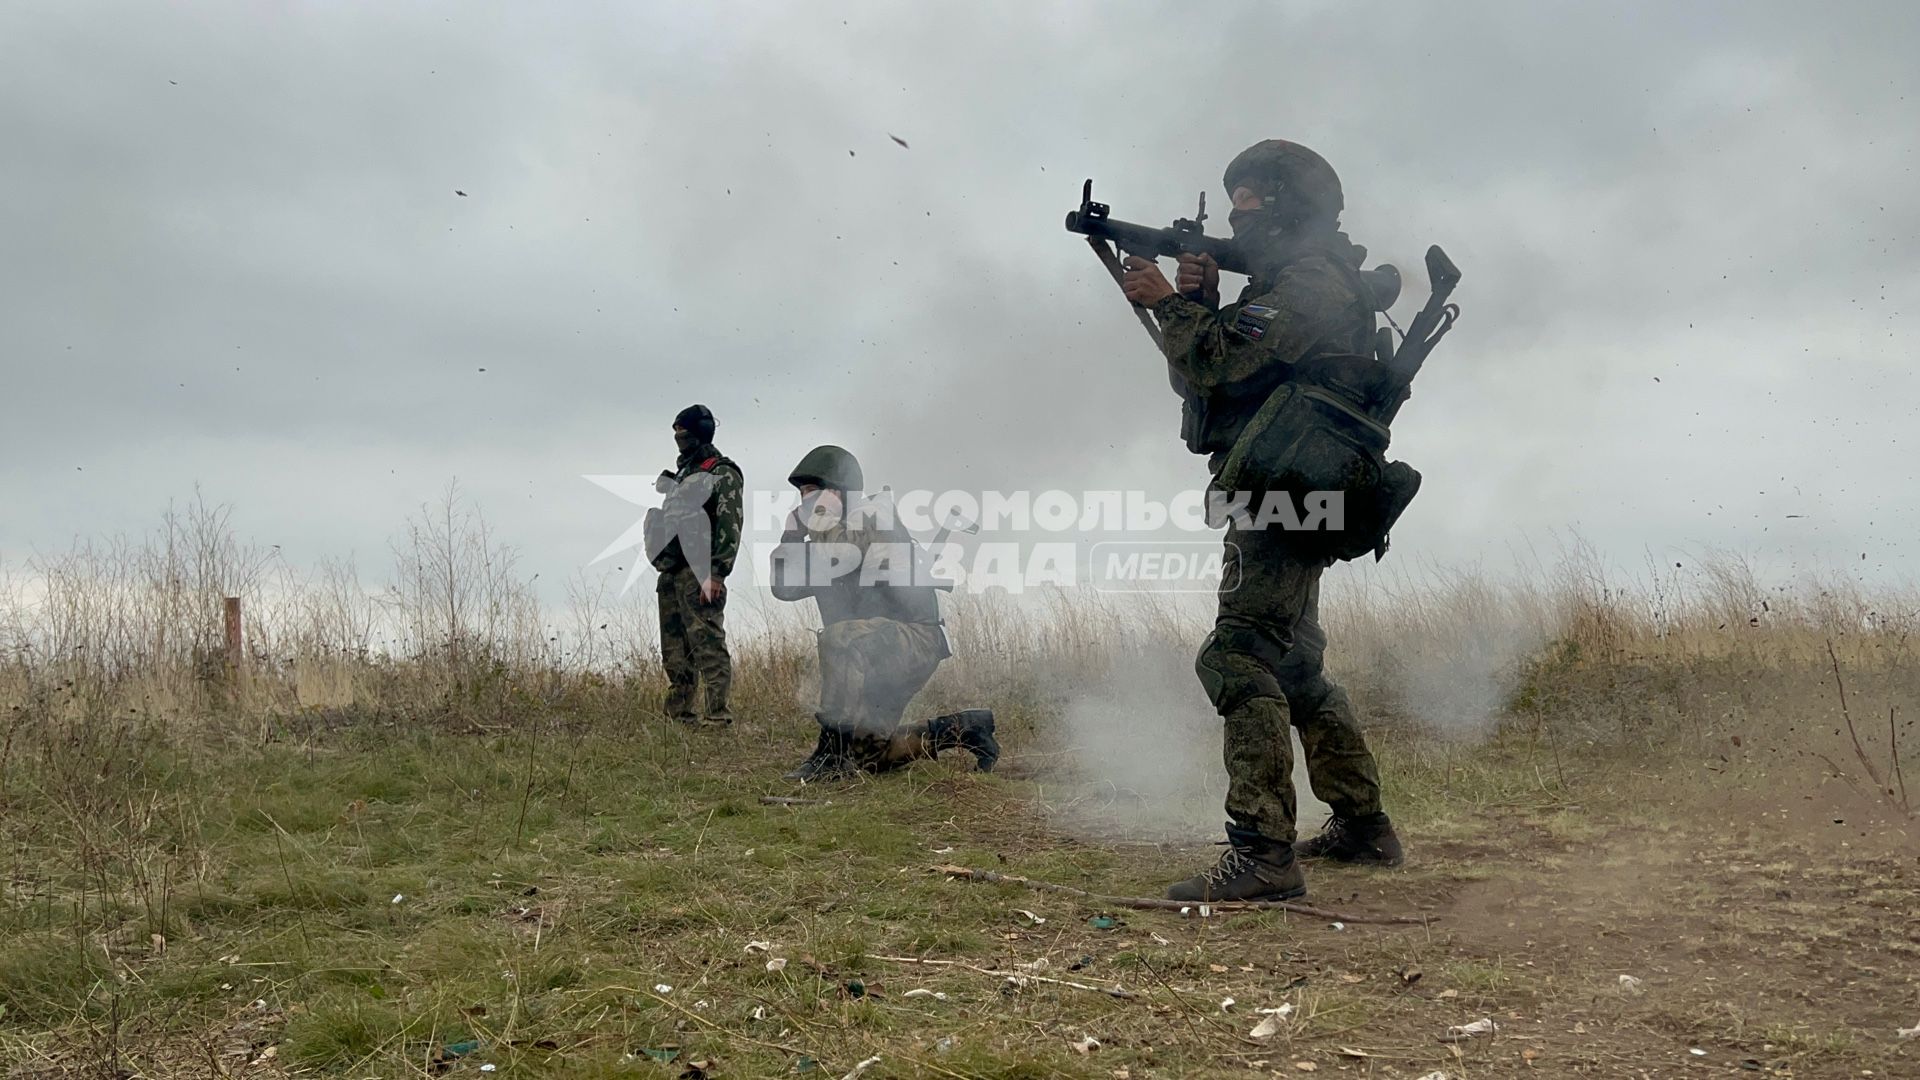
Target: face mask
[[820, 511], [685, 441], [1244, 222]]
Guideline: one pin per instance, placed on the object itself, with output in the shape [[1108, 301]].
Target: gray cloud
[[234, 256]]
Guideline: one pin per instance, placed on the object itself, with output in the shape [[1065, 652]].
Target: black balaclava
[[694, 430]]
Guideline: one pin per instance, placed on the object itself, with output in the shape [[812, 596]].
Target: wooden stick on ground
[[1112, 992], [1143, 903]]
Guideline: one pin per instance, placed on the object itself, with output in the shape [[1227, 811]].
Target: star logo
[[680, 521]]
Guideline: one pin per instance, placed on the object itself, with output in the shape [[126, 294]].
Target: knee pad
[[1231, 672]]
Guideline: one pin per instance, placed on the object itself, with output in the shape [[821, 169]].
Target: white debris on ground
[[1269, 1026], [1478, 1027]]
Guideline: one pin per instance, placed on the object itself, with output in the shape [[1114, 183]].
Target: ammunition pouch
[[1317, 433]]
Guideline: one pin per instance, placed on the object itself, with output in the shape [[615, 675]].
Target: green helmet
[[828, 466], [1293, 179]]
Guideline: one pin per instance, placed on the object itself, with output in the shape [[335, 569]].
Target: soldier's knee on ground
[[1232, 672]]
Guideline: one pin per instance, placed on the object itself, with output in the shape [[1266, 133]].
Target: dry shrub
[[129, 631]]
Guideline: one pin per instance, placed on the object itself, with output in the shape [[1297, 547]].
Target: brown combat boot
[[1368, 839], [970, 730], [1261, 870]]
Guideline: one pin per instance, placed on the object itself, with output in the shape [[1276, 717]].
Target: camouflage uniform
[[693, 633], [1262, 664], [880, 641]]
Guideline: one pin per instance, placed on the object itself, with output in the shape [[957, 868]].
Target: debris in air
[[460, 193], [898, 139]]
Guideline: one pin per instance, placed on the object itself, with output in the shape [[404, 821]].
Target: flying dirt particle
[[483, 369], [850, 153], [460, 193], [173, 82], [898, 139]]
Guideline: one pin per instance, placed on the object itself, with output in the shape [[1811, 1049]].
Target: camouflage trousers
[[693, 647], [869, 670], [1262, 669]]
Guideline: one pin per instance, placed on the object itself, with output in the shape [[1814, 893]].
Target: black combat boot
[[970, 730], [827, 762], [1250, 870], [1367, 839]]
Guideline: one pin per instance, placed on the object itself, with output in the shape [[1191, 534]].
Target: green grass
[[372, 901]]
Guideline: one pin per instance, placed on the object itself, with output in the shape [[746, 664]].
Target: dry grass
[[428, 826]]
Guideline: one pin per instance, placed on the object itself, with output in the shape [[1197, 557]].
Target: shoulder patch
[[1254, 319]]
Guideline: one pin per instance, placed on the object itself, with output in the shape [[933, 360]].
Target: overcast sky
[[232, 255]]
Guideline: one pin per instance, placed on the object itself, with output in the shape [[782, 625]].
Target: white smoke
[[1144, 756]]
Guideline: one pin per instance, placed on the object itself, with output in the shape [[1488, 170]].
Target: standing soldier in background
[[695, 553], [881, 637], [1261, 665]]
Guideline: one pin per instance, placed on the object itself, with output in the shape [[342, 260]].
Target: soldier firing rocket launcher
[[1187, 236]]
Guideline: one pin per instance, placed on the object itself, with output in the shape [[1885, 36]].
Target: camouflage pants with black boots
[[693, 648], [1262, 669], [869, 670]]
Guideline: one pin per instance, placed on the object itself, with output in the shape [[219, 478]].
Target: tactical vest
[[672, 558], [1212, 422], [1307, 427]]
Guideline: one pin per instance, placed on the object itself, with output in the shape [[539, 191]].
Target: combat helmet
[[829, 466], [1295, 181]]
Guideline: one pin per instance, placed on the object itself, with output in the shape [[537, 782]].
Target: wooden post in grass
[[236, 645]]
